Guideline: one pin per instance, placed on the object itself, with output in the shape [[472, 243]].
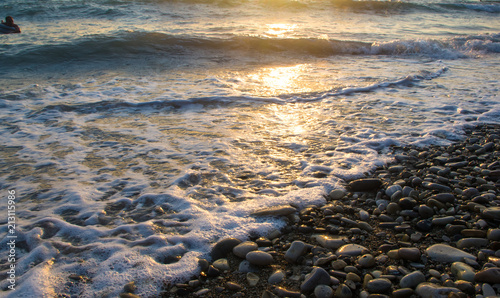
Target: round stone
[[259, 258], [323, 291], [489, 275], [343, 291], [336, 194], [412, 280], [366, 261], [425, 211], [391, 190], [463, 271], [223, 247], [252, 279], [379, 285], [493, 234], [429, 289], [242, 249]]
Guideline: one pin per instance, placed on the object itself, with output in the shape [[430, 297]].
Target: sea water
[[137, 133]]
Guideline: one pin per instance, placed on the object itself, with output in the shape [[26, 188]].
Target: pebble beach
[[426, 225]]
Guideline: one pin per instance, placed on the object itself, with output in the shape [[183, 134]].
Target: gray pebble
[[259, 258], [318, 276], [412, 280], [242, 249], [323, 291]]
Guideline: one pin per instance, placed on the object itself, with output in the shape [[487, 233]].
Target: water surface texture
[[137, 133]]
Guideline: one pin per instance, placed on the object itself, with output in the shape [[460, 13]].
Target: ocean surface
[[137, 133]]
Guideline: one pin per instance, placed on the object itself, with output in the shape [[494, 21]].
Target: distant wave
[[127, 45]]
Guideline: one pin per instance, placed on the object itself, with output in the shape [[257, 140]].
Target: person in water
[[9, 21]]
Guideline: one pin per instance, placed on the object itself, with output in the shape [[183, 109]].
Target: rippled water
[[138, 133]]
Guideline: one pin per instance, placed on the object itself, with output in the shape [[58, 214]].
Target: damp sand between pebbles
[[427, 225]]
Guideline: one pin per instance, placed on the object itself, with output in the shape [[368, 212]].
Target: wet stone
[[221, 264], [336, 194], [491, 213], [366, 261], [330, 242], [425, 211], [275, 211], [223, 247], [365, 185], [242, 249]]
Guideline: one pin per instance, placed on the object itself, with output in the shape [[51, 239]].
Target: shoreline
[[426, 224]]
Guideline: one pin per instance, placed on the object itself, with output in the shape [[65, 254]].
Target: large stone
[[444, 197], [223, 247], [447, 254], [412, 280], [297, 249], [362, 185], [490, 275], [336, 194], [259, 258], [318, 276], [281, 210], [242, 249], [432, 290], [352, 250], [463, 271]]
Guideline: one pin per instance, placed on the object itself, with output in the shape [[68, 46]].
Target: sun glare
[[272, 81], [280, 30]]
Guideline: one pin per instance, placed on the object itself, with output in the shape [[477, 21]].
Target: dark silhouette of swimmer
[[9, 21]]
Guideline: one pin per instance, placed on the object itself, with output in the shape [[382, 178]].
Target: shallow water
[[209, 110]]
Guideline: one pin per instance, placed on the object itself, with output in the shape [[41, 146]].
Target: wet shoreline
[[425, 225]]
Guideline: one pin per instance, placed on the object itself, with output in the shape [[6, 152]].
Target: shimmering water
[[138, 133]]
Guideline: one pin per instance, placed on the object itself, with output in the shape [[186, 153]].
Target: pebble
[[412, 280], [447, 254], [391, 190], [297, 249], [351, 250], [488, 291], [366, 261], [281, 210], [323, 291], [409, 253], [491, 213], [318, 276], [488, 275], [493, 234], [362, 185], [252, 279], [330, 242], [463, 271], [259, 258], [472, 242], [343, 291], [223, 247], [242, 249], [425, 211], [221, 264], [246, 267], [432, 290], [276, 278], [336, 194], [378, 285]]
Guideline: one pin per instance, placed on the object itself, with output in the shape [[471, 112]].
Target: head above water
[[9, 21]]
